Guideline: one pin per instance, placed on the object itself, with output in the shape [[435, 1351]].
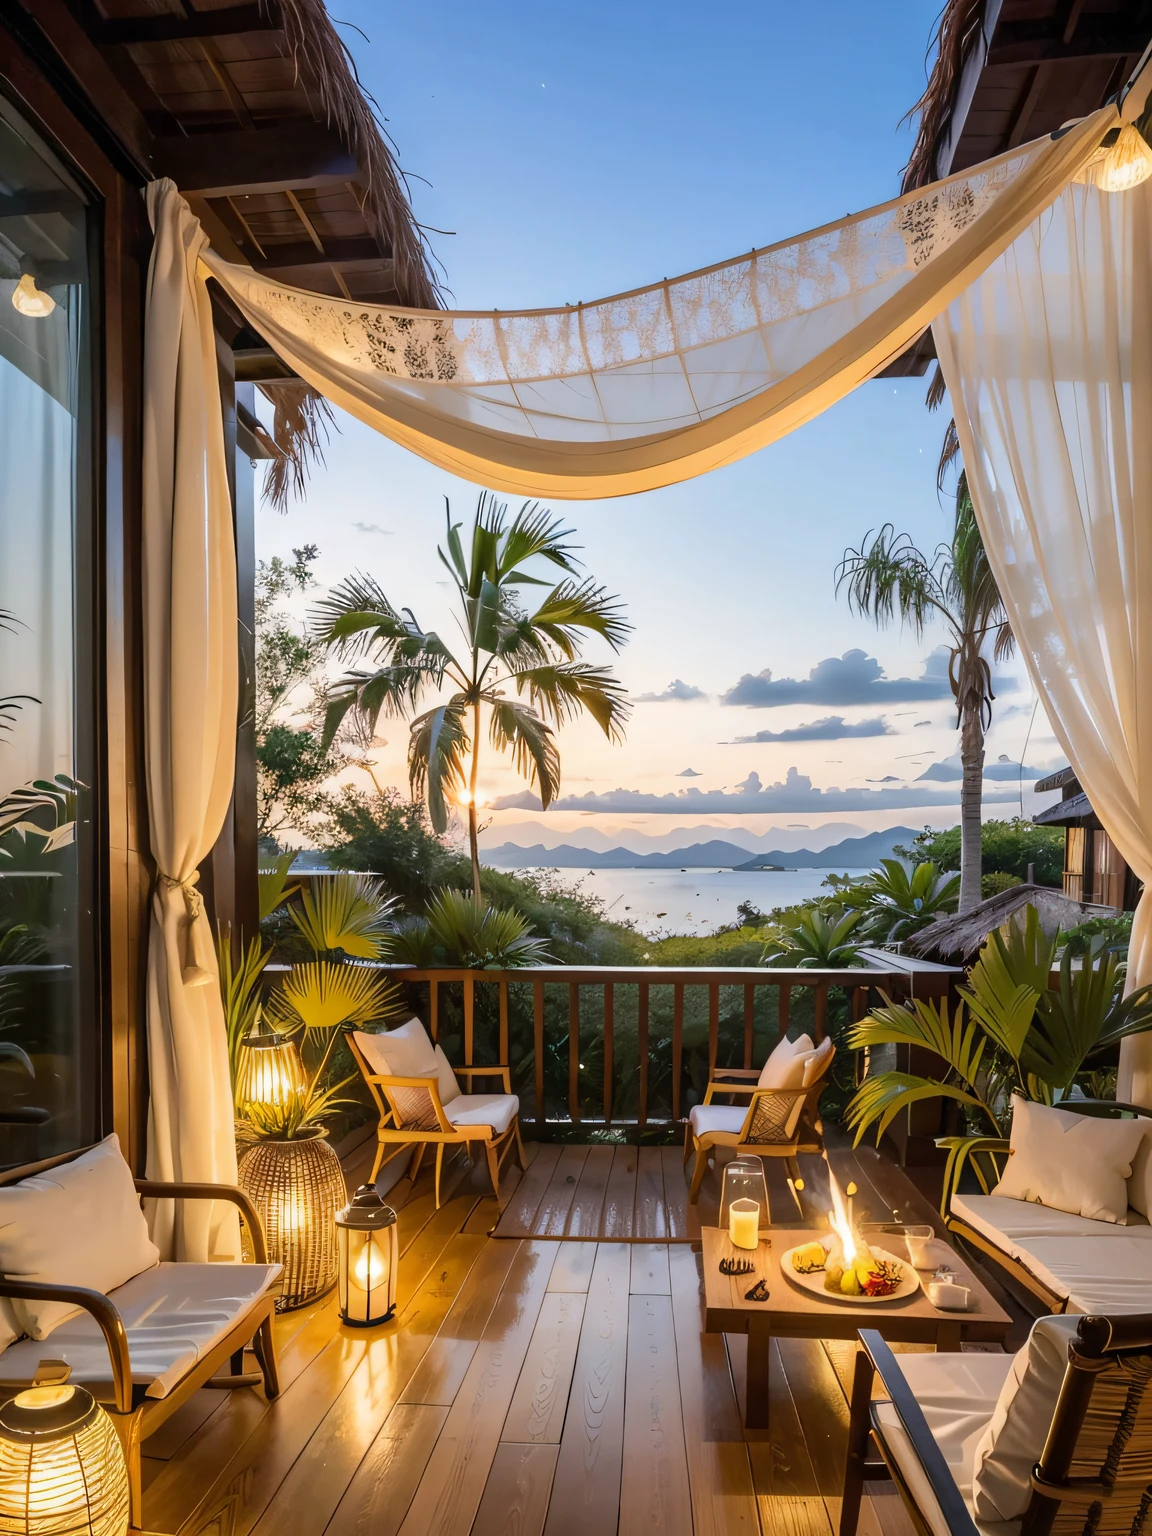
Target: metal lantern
[[270, 1070], [369, 1259], [744, 1180], [297, 1187], [62, 1469]]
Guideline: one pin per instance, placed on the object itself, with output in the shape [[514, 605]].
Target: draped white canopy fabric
[[648, 388]]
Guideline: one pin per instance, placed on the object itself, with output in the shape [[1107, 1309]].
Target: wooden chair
[[778, 1122], [101, 1358], [413, 1117], [1092, 1469]]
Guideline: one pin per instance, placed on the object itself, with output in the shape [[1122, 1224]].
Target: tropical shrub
[[460, 931], [1007, 847], [813, 939], [893, 903]]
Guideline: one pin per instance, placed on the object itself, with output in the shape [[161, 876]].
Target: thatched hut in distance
[[957, 940]]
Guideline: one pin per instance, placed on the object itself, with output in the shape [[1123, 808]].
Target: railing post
[[574, 1051], [642, 1050], [713, 1026], [503, 988], [784, 1014], [677, 1045], [820, 1009], [749, 1021], [469, 1018], [538, 1046], [609, 1045]]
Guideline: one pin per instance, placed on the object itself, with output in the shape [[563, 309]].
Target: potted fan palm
[[282, 1052]]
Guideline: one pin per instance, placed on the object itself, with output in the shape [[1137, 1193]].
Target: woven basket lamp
[[62, 1470], [297, 1186]]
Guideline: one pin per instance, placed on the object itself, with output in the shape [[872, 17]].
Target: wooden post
[[574, 1051], [503, 990], [677, 1045], [749, 1021], [713, 1026], [609, 1044], [469, 1018], [538, 1046], [784, 1015], [642, 1049]]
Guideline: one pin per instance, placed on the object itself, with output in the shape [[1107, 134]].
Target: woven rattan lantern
[[369, 1259], [270, 1071], [297, 1186], [62, 1470]]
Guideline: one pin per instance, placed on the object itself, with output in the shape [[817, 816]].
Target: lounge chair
[[782, 1116]]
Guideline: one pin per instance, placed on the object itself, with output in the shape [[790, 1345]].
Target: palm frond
[[513, 727], [566, 690], [535, 532], [932, 1026], [391, 691], [322, 994], [882, 1096], [888, 578], [273, 883], [471, 933], [345, 911], [572, 608], [436, 749], [240, 992]]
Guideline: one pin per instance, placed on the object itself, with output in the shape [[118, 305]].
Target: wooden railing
[[620, 1045]]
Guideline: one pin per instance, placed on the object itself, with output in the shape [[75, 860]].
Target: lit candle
[[744, 1223]]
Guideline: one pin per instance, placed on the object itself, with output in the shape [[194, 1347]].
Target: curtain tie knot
[[196, 970]]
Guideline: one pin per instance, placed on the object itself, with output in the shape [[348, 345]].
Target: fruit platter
[[871, 1275]]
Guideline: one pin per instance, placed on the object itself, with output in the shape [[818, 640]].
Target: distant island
[[851, 853]]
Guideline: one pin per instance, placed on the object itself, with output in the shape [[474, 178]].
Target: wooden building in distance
[[255, 113], [1095, 872]]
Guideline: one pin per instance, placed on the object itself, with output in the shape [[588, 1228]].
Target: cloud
[[371, 528], [752, 797], [854, 678], [950, 771], [677, 692], [830, 728], [689, 773]]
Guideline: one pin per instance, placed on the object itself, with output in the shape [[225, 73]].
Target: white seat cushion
[[173, 1314], [1064, 1253], [717, 1117], [495, 1109], [958, 1394], [77, 1224]]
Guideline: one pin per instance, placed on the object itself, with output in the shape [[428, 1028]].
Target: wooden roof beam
[[1025, 43], [335, 253], [232, 164], [124, 32]]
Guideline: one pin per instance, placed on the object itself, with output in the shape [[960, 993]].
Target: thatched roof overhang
[[1006, 71], [957, 940], [1076, 811], [254, 110]]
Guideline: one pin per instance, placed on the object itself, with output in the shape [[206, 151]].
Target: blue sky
[[580, 149]]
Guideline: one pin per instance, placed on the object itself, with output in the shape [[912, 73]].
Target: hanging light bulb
[[30, 300], [1123, 165]]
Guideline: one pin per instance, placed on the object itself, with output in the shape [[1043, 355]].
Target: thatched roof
[[957, 940]]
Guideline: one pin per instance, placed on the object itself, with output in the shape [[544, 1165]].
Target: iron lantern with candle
[[369, 1259]]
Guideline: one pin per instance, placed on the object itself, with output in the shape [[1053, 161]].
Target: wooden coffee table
[[794, 1313]]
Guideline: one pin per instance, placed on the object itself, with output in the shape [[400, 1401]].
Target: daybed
[[1070, 1261], [83, 1289]]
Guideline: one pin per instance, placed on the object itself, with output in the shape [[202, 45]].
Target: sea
[[694, 901]]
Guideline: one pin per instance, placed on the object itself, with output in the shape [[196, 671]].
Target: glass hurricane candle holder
[[369, 1258], [62, 1470], [744, 1180]]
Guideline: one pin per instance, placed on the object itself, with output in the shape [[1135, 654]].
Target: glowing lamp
[[369, 1258], [62, 1470], [30, 300], [270, 1070], [1123, 165]]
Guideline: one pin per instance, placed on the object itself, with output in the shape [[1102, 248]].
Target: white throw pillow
[[405, 1052], [449, 1087], [78, 1224], [816, 1061], [1140, 1184], [1011, 1445], [785, 1067], [1070, 1162]]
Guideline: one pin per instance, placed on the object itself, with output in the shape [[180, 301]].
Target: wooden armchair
[[416, 1112], [1067, 1445], [147, 1346], [777, 1122]]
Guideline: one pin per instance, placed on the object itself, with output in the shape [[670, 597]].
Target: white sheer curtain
[[1048, 360], [190, 697]]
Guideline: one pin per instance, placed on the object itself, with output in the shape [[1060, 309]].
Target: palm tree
[[536, 653], [889, 577]]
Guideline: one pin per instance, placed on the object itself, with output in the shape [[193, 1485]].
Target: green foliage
[[1007, 847], [536, 653], [813, 939], [458, 930], [240, 992], [1115, 931], [323, 994], [299, 1118], [894, 904], [733, 946], [345, 912], [273, 882], [1010, 1032], [996, 883]]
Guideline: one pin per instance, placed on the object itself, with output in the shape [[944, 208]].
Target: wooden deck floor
[[528, 1386]]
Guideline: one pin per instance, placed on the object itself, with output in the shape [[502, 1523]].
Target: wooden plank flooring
[[544, 1385]]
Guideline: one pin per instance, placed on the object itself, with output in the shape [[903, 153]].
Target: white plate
[[815, 1282]]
